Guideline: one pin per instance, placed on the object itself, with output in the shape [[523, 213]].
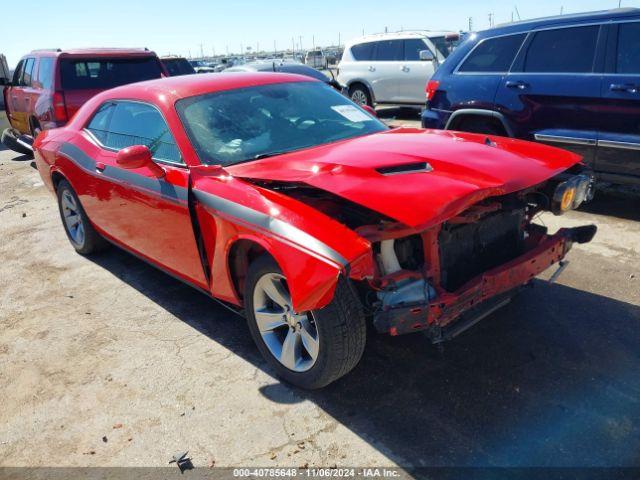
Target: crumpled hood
[[464, 170]]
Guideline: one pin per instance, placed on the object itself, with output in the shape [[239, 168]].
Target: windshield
[[178, 66], [444, 46], [244, 124], [105, 73]]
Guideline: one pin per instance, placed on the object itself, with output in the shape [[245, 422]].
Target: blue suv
[[571, 81]]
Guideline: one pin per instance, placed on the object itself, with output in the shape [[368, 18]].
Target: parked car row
[[571, 81]]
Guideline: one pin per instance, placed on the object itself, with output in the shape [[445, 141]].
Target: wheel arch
[[309, 291], [459, 116], [56, 178], [240, 254], [364, 83]]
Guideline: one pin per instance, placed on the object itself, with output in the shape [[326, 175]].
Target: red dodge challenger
[[275, 194]]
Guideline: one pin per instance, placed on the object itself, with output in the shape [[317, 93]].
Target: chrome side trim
[[297, 237], [559, 139], [620, 145]]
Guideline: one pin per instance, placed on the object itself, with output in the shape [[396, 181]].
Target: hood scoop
[[405, 168]]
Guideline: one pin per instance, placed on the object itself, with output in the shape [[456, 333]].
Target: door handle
[[404, 68], [519, 85], [372, 68], [624, 87], [100, 166]]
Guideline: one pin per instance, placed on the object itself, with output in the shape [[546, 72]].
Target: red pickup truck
[[49, 86]]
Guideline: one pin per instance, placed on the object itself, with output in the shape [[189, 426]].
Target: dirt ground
[[105, 361]]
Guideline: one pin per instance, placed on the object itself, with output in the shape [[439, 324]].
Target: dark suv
[[49, 86], [571, 81]]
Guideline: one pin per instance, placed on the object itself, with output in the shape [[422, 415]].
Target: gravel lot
[[105, 361]]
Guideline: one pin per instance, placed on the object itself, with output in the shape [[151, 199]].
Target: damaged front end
[[443, 277], [447, 278]]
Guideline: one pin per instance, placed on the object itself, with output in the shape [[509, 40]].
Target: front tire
[[308, 349], [75, 221]]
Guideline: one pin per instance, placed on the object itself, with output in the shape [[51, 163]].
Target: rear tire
[[10, 141], [75, 221], [338, 330], [359, 94]]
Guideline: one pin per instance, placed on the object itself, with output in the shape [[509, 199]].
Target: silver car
[[393, 68]]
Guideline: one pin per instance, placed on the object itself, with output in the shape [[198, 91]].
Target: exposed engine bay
[[428, 278]]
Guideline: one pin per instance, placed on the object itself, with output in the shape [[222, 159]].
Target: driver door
[[148, 215]]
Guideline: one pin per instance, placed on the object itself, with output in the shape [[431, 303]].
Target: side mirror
[[369, 110], [426, 56], [139, 156]]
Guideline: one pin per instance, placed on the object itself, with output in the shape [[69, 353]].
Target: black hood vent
[[405, 168]]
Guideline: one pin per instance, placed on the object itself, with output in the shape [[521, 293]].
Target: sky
[[189, 27]]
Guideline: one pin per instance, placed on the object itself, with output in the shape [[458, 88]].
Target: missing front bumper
[[479, 294]]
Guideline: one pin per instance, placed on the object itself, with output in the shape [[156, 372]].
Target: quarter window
[[389, 50], [99, 125], [364, 51], [494, 55], [412, 49], [563, 50], [628, 59], [118, 125]]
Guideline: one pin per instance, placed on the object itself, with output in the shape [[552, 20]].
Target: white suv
[[316, 59], [393, 67]]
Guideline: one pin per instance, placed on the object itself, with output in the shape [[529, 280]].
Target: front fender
[[311, 249]]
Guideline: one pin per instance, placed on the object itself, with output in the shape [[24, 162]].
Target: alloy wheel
[[359, 97], [292, 338], [72, 218]]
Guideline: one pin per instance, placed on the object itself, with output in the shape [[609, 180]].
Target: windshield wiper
[[260, 156]]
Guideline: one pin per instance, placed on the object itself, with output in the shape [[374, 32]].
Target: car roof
[[184, 86], [280, 67], [586, 17], [93, 52], [400, 35]]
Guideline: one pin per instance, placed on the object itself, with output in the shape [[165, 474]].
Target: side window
[[494, 55], [389, 50], [412, 49], [563, 50], [28, 69], [18, 73], [364, 51], [133, 123], [45, 73], [628, 57], [99, 124]]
